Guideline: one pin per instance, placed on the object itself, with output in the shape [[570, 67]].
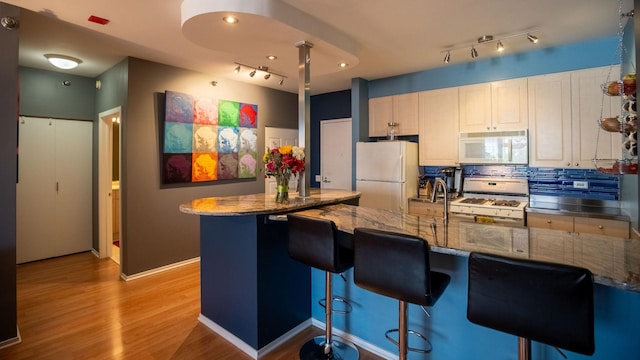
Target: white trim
[[13, 341], [357, 341], [158, 270], [246, 348]]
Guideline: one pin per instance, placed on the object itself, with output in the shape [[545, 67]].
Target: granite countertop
[[256, 204], [613, 261]]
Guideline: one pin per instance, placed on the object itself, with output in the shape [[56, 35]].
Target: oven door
[[494, 239]]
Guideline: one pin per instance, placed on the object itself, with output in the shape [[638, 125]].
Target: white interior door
[[335, 154], [54, 188], [276, 137], [35, 190]]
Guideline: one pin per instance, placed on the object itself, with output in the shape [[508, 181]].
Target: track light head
[[237, 69], [532, 38], [267, 76], [252, 73], [281, 81], [447, 57], [474, 52], [499, 46]]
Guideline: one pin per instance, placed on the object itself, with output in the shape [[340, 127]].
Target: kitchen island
[[252, 293], [614, 262]]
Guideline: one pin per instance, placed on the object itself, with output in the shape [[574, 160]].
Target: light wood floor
[[76, 307]]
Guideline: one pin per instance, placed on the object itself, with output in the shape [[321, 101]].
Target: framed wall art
[[208, 140]]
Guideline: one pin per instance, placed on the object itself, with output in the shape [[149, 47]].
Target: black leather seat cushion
[[545, 302], [315, 242], [396, 265]]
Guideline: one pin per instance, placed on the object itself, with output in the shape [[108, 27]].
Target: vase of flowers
[[281, 163]]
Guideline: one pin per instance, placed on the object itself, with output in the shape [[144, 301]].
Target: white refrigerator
[[387, 174]]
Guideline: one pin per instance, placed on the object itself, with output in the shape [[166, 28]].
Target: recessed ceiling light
[[343, 65], [230, 19], [271, 57], [63, 61]]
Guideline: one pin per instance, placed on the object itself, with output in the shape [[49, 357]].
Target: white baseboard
[[158, 270], [357, 341], [246, 348], [13, 341]]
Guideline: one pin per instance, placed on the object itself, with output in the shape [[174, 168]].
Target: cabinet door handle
[[57, 186]]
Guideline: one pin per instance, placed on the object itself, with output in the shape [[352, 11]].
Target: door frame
[[105, 174]]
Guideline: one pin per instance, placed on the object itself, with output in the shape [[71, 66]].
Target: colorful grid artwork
[[208, 140]]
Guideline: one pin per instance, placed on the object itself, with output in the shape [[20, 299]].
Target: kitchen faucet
[[438, 182]]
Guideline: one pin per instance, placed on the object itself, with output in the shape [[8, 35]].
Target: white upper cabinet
[[439, 127], [550, 120], [402, 109], [496, 106], [564, 109], [475, 107], [587, 106]]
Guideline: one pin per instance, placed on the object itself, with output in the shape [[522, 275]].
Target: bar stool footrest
[[411, 332], [347, 305]]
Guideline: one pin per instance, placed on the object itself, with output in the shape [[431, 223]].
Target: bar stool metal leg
[[326, 347], [524, 348], [403, 335]]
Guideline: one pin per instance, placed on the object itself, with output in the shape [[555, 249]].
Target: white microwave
[[495, 147]]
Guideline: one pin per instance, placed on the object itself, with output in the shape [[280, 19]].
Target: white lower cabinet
[[579, 241], [54, 189]]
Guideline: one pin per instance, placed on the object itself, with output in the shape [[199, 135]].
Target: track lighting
[[485, 39], [255, 69]]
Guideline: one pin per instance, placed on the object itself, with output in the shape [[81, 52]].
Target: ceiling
[[377, 38]]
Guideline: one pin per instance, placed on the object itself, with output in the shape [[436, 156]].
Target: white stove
[[492, 200]]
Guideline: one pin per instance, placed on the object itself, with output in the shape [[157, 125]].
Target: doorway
[[109, 208], [335, 154]]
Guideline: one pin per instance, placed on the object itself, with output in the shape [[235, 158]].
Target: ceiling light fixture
[[271, 57], [485, 39], [343, 65], [62, 61], [254, 70], [230, 19]]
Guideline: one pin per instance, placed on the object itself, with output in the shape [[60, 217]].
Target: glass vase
[[282, 190]]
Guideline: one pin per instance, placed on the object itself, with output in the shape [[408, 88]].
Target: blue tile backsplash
[[546, 181]]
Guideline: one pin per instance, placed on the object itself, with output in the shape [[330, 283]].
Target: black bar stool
[[397, 265], [315, 242], [533, 300]]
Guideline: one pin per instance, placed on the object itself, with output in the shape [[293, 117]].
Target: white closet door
[[35, 191], [54, 188], [73, 178]]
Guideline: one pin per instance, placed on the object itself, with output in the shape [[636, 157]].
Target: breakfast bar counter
[[252, 293]]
